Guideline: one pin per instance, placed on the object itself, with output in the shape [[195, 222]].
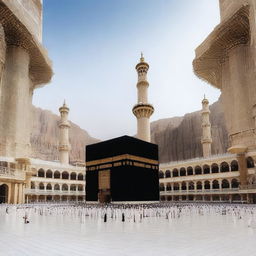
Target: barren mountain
[[179, 138]]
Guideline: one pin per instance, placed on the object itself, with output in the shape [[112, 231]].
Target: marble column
[[16, 100]]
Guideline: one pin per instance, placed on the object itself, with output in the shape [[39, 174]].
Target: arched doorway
[[3, 194]]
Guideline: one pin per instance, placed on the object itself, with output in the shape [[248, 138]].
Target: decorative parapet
[[232, 31]]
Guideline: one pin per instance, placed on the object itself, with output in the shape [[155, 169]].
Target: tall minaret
[[142, 110], [206, 127], [64, 126]]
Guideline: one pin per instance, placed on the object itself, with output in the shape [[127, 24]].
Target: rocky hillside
[[179, 138], [45, 134]]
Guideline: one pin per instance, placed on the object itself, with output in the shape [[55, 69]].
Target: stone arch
[[206, 169], [56, 187], [250, 162], [4, 194], [80, 198], [182, 171], [49, 174], [32, 185], [215, 168], [234, 166], [224, 167], [80, 187], [207, 184], [56, 175], [183, 185], [191, 185], [234, 183], [215, 184], [161, 174], [73, 187], [41, 186], [49, 186], [175, 173], [169, 198], [161, 187], [198, 170], [199, 185], [168, 174], [65, 175], [73, 176], [162, 198], [176, 186], [41, 173], [56, 198], [225, 184], [48, 198], [80, 176], [64, 187], [190, 170], [236, 198], [41, 198], [168, 187]]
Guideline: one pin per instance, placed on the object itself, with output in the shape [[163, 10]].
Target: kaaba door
[[104, 195]]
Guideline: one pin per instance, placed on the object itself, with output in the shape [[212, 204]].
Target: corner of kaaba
[[123, 169]]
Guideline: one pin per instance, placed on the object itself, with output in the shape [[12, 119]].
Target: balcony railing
[[199, 191], [54, 192], [6, 172]]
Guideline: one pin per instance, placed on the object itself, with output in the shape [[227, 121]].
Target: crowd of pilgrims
[[133, 212]]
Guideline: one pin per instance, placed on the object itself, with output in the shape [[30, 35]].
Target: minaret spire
[[206, 140], [143, 110], [64, 125]]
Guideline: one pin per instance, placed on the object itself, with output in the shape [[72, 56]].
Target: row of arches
[[200, 185], [205, 169], [56, 187], [58, 175]]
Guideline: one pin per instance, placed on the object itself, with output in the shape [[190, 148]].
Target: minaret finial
[[141, 57]]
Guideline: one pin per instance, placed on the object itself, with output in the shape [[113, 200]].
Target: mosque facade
[[226, 60]]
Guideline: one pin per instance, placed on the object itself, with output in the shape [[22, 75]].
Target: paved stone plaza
[[65, 233]]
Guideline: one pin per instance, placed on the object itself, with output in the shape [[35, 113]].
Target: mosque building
[[225, 60]]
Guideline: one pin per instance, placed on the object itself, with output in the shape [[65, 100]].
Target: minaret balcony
[[64, 147], [64, 124], [206, 140], [143, 110]]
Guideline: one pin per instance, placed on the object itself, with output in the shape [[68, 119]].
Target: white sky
[[95, 49]]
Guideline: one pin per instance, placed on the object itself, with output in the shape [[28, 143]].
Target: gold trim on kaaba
[[125, 159]]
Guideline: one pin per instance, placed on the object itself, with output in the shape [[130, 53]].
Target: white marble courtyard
[[66, 230]]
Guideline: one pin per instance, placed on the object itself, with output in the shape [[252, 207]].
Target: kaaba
[[121, 170]]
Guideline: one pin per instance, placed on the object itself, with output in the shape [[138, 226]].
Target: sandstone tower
[[206, 129], [24, 66], [143, 110], [64, 126]]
